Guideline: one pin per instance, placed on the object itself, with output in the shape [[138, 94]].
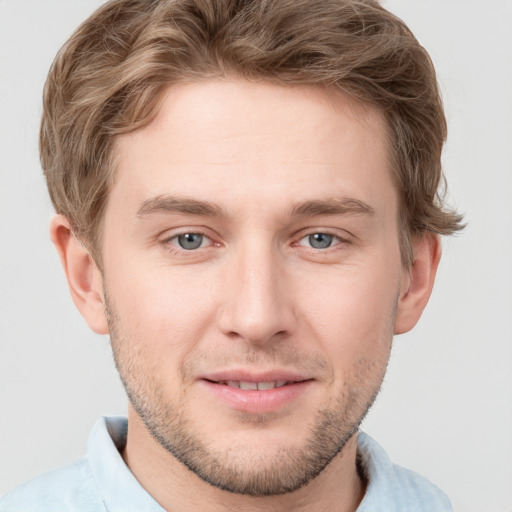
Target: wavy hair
[[109, 78]]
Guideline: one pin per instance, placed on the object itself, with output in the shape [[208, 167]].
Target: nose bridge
[[257, 304]]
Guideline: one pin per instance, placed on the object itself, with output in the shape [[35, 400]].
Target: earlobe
[[83, 275], [418, 283]]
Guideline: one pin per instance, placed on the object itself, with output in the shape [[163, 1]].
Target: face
[[251, 274]]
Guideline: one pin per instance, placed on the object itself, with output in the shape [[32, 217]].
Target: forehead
[[241, 141]]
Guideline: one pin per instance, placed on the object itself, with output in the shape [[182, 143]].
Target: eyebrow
[[189, 206], [177, 204], [335, 206]]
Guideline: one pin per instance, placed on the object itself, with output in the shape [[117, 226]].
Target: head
[[248, 193]]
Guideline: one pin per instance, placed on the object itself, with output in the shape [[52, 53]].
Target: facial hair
[[238, 470]]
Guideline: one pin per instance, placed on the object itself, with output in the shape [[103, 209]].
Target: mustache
[[261, 357]]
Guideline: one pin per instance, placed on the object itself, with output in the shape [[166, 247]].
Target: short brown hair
[[108, 79]]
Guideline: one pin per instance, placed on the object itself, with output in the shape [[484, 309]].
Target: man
[[247, 203]]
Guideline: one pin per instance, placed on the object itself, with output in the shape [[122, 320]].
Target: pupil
[[190, 241], [320, 240]]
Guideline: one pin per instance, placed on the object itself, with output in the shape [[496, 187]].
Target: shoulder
[[400, 489], [69, 488]]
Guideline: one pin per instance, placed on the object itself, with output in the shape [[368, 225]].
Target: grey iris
[[320, 240], [190, 241]]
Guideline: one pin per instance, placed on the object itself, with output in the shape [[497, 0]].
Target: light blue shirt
[[101, 482]]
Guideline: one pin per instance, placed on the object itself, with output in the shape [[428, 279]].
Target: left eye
[[190, 241], [319, 240]]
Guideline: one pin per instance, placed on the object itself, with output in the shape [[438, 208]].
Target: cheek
[[160, 308], [352, 315]]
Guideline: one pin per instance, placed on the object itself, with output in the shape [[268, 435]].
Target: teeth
[[266, 385], [252, 386], [248, 385]]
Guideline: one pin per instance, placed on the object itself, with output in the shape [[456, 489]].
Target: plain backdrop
[[446, 406]]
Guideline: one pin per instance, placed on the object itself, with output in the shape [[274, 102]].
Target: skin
[[256, 170]]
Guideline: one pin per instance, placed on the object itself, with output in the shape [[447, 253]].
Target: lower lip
[[257, 402]]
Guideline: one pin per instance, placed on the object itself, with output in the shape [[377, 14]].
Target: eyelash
[[175, 249], [172, 245], [336, 240]]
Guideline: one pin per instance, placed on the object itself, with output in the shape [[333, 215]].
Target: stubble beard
[[286, 470]]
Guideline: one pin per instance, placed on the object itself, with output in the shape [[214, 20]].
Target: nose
[[258, 298]]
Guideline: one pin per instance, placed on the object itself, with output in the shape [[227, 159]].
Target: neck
[[339, 487]]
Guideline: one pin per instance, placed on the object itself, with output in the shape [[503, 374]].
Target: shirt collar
[[116, 484]]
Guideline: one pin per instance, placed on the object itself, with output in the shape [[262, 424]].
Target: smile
[[256, 394], [253, 386]]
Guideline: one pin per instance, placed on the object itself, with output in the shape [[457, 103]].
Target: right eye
[[190, 241]]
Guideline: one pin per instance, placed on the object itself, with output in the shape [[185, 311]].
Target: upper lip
[[254, 376]]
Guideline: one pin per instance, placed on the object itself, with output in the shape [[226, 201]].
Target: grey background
[[446, 406]]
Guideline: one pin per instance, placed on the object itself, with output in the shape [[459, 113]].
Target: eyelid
[[171, 233], [343, 237], [189, 232], [168, 240], [336, 240]]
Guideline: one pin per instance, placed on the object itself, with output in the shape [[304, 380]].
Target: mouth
[[256, 393], [253, 386]]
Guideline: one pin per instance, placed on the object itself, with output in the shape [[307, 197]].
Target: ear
[[84, 277], [418, 282]]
